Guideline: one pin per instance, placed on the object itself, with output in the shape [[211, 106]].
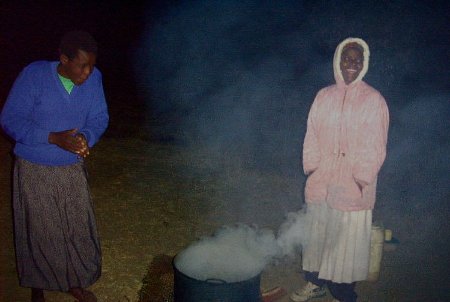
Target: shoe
[[309, 291]]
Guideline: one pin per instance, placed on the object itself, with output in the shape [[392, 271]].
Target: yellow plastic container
[[376, 251]]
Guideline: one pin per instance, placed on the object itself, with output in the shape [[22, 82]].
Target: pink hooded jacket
[[345, 142]]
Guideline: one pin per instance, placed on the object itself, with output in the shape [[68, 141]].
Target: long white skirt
[[338, 246]]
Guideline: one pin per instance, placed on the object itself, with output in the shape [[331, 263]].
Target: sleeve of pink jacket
[[371, 141], [311, 151]]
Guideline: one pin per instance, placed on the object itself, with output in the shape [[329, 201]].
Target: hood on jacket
[[337, 60]]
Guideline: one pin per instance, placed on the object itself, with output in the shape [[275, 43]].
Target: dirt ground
[[155, 199]]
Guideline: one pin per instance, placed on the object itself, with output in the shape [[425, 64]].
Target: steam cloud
[[238, 253]]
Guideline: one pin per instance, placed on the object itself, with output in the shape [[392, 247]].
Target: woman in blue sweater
[[55, 112]]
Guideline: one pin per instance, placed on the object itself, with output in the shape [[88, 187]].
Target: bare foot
[[83, 295], [37, 295]]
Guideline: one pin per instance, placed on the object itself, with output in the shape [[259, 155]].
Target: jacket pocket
[[343, 188], [316, 186]]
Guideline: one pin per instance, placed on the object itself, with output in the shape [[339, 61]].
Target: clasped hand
[[70, 140]]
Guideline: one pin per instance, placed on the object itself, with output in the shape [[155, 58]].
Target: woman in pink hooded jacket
[[343, 151]]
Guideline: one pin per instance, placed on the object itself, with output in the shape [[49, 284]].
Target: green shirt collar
[[67, 83]]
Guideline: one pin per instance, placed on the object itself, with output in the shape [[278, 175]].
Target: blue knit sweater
[[38, 104]]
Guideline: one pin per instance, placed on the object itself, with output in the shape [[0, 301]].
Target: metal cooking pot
[[187, 289]]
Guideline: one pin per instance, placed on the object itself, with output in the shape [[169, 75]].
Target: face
[[79, 68], [352, 60]]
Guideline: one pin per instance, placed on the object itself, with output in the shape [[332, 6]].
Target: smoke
[[415, 177], [234, 81], [240, 252], [292, 234], [225, 75]]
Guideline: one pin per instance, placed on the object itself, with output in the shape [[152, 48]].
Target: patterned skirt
[[338, 243], [57, 246]]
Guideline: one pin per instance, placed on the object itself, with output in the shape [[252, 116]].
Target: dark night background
[[237, 78]]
